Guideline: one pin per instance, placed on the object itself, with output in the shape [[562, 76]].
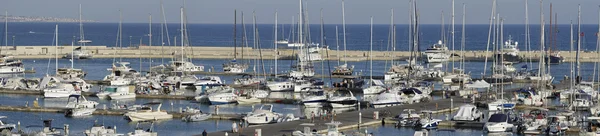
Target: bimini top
[[498, 118]]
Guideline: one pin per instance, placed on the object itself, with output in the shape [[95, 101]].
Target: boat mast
[[181, 31], [344, 31], [487, 49], [542, 46], [527, 38], [572, 67], [337, 43], [5, 29], [452, 32], [56, 50], [462, 42], [300, 36], [276, 52], [82, 40], [121, 34], [149, 39], [371, 54], [578, 41], [234, 34]]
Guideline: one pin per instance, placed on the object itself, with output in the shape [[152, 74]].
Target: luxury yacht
[[510, 52], [314, 97], [148, 114], [437, 53], [342, 99], [222, 98]]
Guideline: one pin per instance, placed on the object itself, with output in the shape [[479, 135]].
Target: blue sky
[[357, 11]]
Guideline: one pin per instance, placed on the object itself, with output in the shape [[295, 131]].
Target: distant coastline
[[40, 19]]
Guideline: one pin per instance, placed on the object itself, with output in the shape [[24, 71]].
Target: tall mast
[[541, 72], [166, 27], [234, 34], [149, 39], [276, 53], [121, 34], [56, 50], [492, 17], [344, 30], [300, 36], [337, 43], [578, 39], [572, 67], [181, 31], [371, 54], [462, 41], [82, 38], [452, 32], [5, 29], [527, 38]]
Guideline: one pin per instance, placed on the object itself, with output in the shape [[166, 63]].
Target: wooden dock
[[349, 120]]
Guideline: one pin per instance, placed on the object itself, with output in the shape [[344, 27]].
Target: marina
[[262, 74]]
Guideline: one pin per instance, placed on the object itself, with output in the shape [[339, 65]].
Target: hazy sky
[[357, 11]]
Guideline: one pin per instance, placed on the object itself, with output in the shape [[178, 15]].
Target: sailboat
[[343, 69], [80, 52], [120, 72], [182, 63], [553, 56], [8, 65], [233, 66], [54, 86]]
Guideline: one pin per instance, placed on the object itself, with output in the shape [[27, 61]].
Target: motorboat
[[281, 86], [350, 83], [80, 102], [101, 130], [343, 69], [428, 122], [388, 98], [103, 94], [528, 97], [148, 114], [468, 112], [185, 66], [263, 115], [11, 69], [6, 127], [408, 118], [582, 104], [222, 98], [208, 81], [556, 125], [248, 80], [302, 85], [9, 61], [535, 121], [195, 115], [314, 97], [285, 41], [581, 88], [505, 67], [413, 95], [437, 53], [501, 104], [342, 99], [68, 73], [260, 94], [374, 89], [248, 100], [61, 90], [124, 92], [234, 67], [510, 52], [141, 132], [78, 53], [47, 129], [499, 122]]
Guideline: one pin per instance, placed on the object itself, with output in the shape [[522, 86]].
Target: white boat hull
[[121, 96], [148, 116], [80, 112]]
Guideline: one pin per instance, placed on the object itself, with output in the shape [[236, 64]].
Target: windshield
[[498, 118]]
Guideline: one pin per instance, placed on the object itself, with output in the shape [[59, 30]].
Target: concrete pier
[[349, 120], [176, 115], [223, 52]]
